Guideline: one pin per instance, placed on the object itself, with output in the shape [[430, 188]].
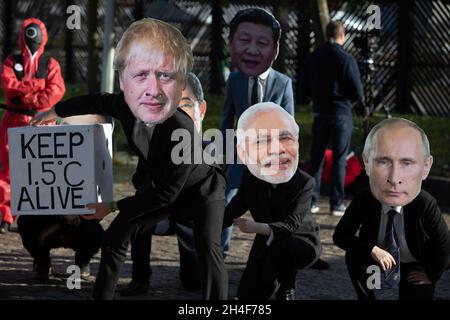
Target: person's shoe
[[134, 288], [41, 271], [338, 211], [4, 227], [85, 271], [286, 293], [320, 265], [315, 208]]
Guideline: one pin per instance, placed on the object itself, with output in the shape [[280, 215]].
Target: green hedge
[[436, 128]]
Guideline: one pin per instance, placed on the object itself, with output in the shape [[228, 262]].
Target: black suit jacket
[[286, 208], [178, 188], [426, 232]]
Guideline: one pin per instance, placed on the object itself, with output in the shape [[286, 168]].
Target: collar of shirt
[[142, 123], [262, 78], [385, 209]]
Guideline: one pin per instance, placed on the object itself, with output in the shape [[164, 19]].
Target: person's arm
[[93, 103], [170, 179], [48, 96], [150, 199], [237, 206], [228, 113], [139, 175], [438, 245], [251, 226], [295, 213], [345, 233], [353, 81], [287, 102], [14, 88]]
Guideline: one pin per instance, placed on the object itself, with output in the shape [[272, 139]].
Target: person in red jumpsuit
[[31, 82]]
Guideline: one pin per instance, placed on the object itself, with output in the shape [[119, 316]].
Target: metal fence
[[411, 66]]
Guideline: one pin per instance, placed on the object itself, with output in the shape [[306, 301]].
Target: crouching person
[[40, 234], [278, 195], [401, 230]]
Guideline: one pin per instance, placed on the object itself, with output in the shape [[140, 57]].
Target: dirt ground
[[16, 278]]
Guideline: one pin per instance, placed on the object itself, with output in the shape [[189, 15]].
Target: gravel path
[[16, 279]]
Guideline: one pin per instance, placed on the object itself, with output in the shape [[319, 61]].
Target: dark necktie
[[392, 245], [254, 98], [141, 137]]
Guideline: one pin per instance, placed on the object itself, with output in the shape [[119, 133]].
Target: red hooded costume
[[29, 92]]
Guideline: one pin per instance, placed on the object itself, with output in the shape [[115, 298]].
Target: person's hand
[[44, 116], [383, 258], [245, 225], [417, 278], [250, 226], [102, 209]]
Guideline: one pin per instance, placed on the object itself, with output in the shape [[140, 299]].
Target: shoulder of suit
[[119, 98], [280, 75], [303, 175], [234, 75], [423, 199], [300, 180], [179, 120], [365, 197]]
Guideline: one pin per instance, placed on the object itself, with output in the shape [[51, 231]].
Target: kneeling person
[[278, 195], [40, 234], [401, 229]]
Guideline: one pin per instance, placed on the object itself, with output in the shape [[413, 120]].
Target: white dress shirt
[[262, 81]]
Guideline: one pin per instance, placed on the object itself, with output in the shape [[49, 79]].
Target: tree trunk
[[92, 38], [281, 11], [217, 81], [320, 17]]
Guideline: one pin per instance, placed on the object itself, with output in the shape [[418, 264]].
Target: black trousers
[[208, 220], [85, 238], [357, 269], [338, 131], [270, 267], [189, 263]]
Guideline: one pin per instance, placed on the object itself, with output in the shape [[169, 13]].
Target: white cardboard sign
[[59, 169]]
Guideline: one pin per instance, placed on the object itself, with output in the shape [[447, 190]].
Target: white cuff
[[269, 241]]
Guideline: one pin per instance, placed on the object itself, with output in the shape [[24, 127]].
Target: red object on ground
[[353, 168]]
